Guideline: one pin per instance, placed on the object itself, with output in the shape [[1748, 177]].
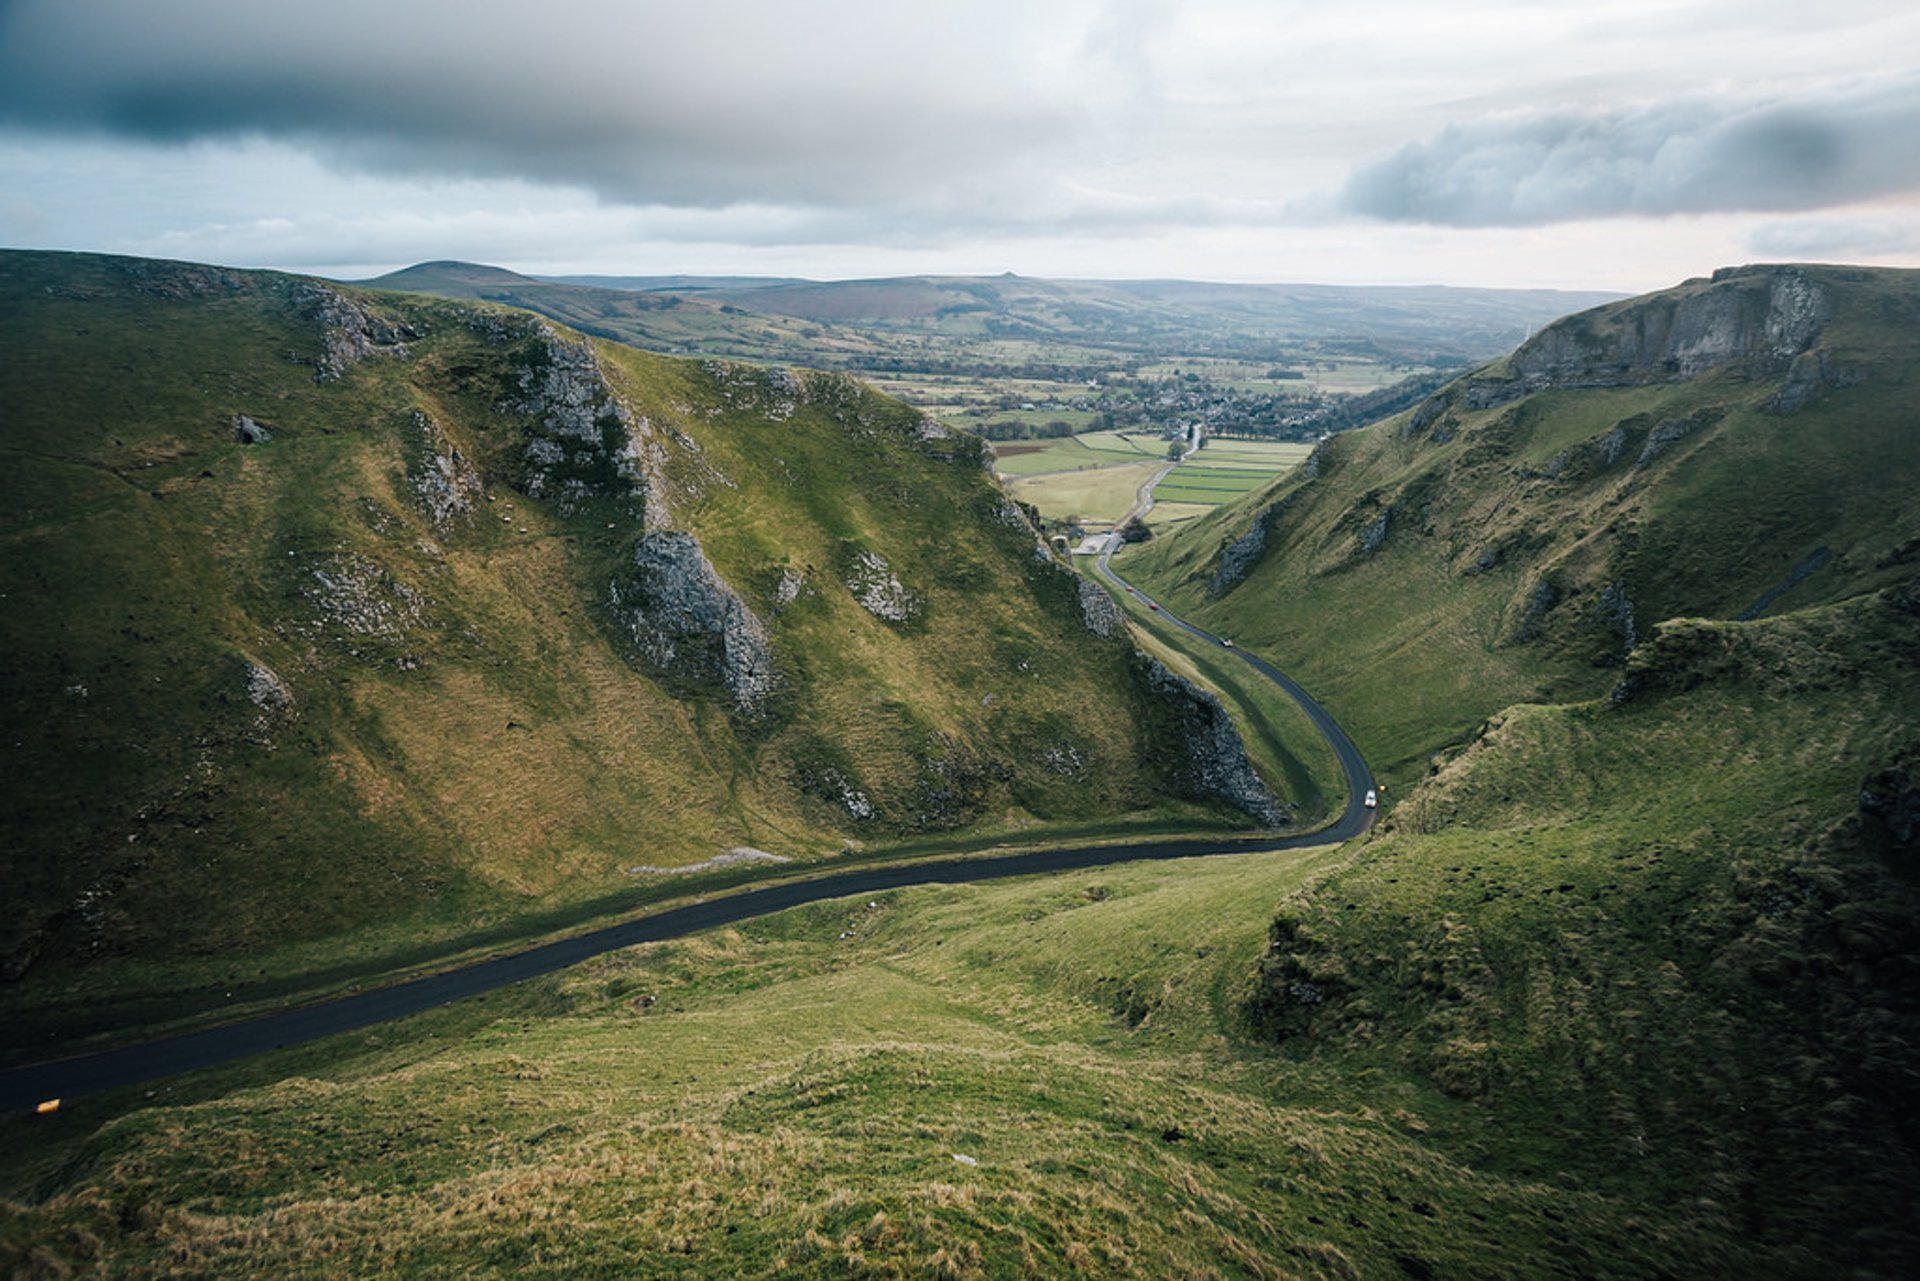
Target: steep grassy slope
[[340, 624], [1664, 945], [1737, 446]]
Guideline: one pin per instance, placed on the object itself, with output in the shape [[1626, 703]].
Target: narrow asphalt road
[[1358, 816], [22, 1088]]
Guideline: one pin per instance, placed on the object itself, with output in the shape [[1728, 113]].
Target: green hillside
[[1626, 991], [1625, 982], [346, 627], [1661, 945], [1738, 446]]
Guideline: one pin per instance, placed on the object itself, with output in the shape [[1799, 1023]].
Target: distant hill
[[863, 319], [344, 624]]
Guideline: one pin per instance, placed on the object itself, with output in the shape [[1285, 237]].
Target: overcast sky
[[1609, 144]]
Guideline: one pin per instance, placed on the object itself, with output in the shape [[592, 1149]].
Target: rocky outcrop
[[249, 432], [878, 590], [1238, 558], [443, 483], [1213, 763], [1376, 532], [1097, 610], [349, 330], [585, 443], [686, 624], [1770, 316], [1540, 601], [356, 606], [1812, 375]]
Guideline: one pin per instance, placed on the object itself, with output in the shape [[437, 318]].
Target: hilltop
[[348, 627]]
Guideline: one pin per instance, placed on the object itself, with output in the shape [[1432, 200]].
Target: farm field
[[1098, 496], [1076, 453], [1095, 476]]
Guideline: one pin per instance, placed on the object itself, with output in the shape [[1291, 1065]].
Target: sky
[[1605, 144]]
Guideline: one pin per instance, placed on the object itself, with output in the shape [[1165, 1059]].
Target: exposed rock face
[[1238, 558], [249, 432], [787, 590], [585, 442], [354, 597], [443, 482], [1811, 376], [773, 393], [1376, 533], [687, 623], [1769, 315], [350, 331], [1539, 602], [265, 689], [272, 701], [1215, 763], [1614, 611], [1098, 611], [879, 592]]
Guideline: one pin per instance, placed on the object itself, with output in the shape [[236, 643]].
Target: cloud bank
[[1684, 157], [643, 102]]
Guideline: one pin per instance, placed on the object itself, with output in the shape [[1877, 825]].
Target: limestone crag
[[687, 624], [585, 443], [773, 393], [354, 600], [1098, 611], [350, 331], [1214, 764], [249, 432], [1238, 558], [1767, 315], [444, 483], [878, 590]]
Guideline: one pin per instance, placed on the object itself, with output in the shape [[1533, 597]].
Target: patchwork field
[[1096, 476], [1099, 496], [1076, 453]]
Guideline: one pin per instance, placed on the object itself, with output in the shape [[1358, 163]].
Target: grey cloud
[[1807, 238], [1697, 156], [833, 103]]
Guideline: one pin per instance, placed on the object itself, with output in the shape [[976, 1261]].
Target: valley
[[375, 631]]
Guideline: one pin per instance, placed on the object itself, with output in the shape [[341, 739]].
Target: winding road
[[21, 1088]]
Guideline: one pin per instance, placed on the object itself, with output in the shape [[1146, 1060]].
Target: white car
[[1373, 799]]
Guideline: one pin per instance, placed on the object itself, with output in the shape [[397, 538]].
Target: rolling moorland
[[1623, 985], [1012, 353]]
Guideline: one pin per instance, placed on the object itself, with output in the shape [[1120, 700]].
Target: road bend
[[22, 1088]]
